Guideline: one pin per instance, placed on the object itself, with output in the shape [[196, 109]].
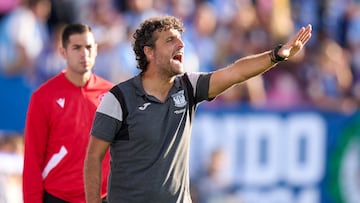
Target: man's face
[[80, 53], [168, 52]]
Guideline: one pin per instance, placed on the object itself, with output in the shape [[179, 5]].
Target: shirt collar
[[140, 89]]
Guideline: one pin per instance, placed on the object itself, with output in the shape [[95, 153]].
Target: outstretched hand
[[296, 43]]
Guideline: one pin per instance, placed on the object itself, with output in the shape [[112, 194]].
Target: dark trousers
[[48, 198]]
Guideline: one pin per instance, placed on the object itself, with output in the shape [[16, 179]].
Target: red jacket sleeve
[[36, 131]]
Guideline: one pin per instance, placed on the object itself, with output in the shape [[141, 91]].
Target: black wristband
[[275, 58]]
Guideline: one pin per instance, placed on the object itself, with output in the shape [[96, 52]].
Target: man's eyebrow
[[82, 45]]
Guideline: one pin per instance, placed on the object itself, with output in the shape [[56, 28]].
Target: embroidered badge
[[179, 99]]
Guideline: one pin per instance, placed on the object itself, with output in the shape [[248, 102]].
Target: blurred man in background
[[58, 124]]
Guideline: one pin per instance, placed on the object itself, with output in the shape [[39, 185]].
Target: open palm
[[296, 43]]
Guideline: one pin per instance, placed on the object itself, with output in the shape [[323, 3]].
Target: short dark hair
[[144, 36], [75, 28]]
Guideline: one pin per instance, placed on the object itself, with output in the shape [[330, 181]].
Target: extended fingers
[[304, 34]]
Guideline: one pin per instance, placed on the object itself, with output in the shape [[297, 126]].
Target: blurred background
[[290, 135]]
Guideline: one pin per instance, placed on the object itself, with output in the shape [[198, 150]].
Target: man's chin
[[179, 68], [179, 72], [87, 68]]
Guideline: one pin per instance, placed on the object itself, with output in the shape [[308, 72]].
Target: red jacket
[[57, 133]]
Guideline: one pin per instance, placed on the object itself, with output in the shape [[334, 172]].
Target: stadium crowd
[[325, 76]]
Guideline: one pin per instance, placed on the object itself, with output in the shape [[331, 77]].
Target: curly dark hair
[[144, 36]]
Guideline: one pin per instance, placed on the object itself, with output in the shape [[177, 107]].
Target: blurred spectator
[[275, 17], [214, 186], [7, 5], [352, 43], [23, 35], [65, 11], [227, 9], [110, 30], [201, 35], [284, 90], [243, 29], [11, 153], [307, 12], [330, 78], [281, 23], [138, 10], [126, 62], [333, 18], [183, 9], [50, 62]]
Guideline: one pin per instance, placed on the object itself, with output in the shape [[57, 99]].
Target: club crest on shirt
[[179, 99], [100, 97]]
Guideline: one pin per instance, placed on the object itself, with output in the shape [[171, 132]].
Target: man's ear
[[96, 47], [149, 52], [62, 51]]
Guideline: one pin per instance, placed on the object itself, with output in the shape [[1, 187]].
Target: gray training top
[[150, 158]]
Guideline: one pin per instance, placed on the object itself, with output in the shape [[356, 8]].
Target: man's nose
[[84, 51], [181, 43]]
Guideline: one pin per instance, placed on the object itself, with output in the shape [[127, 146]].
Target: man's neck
[[78, 80], [156, 85]]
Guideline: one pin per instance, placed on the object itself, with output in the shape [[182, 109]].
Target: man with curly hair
[[146, 121]]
